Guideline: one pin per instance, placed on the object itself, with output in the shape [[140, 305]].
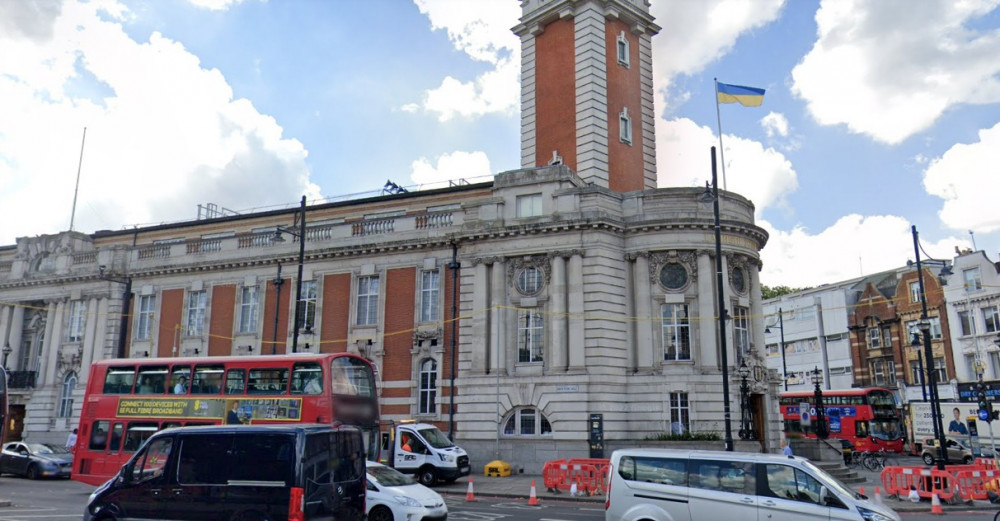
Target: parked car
[[394, 496], [958, 451], [35, 460]]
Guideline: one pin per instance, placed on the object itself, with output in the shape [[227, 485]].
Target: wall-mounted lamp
[[306, 347], [197, 351], [145, 354]]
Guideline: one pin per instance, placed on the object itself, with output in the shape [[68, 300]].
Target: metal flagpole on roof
[[76, 190]]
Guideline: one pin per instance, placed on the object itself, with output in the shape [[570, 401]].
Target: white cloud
[[215, 5], [163, 133], [851, 247], [480, 29], [450, 167], [775, 124], [966, 178], [862, 73]]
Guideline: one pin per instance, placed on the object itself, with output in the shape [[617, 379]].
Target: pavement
[[519, 487]]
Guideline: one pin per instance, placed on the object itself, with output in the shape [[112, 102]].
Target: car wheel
[[928, 459], [32, 472], [427, 477], [380, 513]]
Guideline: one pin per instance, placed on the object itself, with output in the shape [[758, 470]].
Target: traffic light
[[986, 412]]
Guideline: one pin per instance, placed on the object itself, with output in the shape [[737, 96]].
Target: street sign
[[805, 414], [984, 414]]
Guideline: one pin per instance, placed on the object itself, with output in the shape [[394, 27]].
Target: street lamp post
[[915, 343], [713, 195], [781, 347], [746, 416], [925, 329], [454, 266], [278, 282], [6, 352], [301, 235], [821, 430]]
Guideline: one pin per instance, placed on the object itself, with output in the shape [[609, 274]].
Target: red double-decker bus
[[866, 417], [127, 400]]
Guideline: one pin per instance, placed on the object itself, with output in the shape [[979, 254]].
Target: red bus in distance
[[866, 417], [127, 400]]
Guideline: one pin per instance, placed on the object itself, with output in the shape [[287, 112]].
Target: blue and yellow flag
[[746, 96]]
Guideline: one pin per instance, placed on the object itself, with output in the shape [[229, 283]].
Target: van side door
[[721, 489], [144, 495], [197, 491], [333, 476], [787, 493], [409, 451]]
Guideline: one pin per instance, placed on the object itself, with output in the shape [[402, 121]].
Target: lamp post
[[454, 266], [713, 195], [781, 347], [821, 430], [746, 416], [6, 352], [915, 343], [925, 329], [301, 235], [278, 282], [126, 302]]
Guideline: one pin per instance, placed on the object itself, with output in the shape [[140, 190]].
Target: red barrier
[[975, 484], [589, 475], [898, 481]]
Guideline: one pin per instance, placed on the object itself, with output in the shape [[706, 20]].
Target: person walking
[[786, 449], [71, 440]]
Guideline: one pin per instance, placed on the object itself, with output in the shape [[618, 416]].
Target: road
[[60, 500]]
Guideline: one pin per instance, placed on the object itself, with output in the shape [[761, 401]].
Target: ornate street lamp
[[821, 430], [781, 347], [746, 415], [6, 352]]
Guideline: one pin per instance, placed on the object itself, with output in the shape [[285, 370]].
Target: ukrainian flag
[[746, 96]]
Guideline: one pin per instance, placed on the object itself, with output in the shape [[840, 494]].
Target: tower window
[[625, 127], [623, 50]]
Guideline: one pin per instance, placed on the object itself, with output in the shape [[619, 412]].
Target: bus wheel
[[427, 476], [380, 513], [32, 472]]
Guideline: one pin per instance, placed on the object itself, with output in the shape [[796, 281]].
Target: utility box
[[497, 469]]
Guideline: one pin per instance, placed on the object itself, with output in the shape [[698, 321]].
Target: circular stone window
[[739, 280], [673, 276], [529, 281]]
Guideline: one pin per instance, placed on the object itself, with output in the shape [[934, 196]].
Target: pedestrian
[[786, 449], [71, 441]]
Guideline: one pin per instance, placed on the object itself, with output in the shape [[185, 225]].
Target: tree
[[767, 292]]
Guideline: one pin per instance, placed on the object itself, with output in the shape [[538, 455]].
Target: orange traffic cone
[[532, 498], [469, 496], [878, 497], [862, 491], [936, 505]]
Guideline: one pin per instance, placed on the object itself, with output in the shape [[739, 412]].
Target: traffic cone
[[936, 505], [469, 496], [862, 491], [532, 498], [878, 497]]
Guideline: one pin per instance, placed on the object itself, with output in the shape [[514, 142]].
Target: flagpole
[[79, 166], [718, 116]]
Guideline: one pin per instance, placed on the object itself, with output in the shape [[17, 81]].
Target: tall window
[[144, 318], [429, 283], [308, 306], [428, 386], [248, 309], [942, 371], [968, 327], [195, 323], [913, 326], [973, 281], [66, 396], [622, 46], [890, 371], [676, 332], [530, 334], [77, 321], [680, 413], [992, 319], [625, 126], [526, 422], [915, 291], [878, 372], [529, 205], [741, 331], [915, 372], [874, 338], [995, 362], [368, 300]]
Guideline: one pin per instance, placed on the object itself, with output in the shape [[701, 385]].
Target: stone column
[[559, 350], [577, 322], [16, 330], [481, 340], [5, 312], [91, 339], [643, 349], [499, 358], [756, 311], [707, 312], [50, 345]]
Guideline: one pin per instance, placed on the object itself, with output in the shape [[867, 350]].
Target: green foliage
[[687, 436], [767, 292]]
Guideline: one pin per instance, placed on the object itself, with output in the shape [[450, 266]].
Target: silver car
[[36, 460]]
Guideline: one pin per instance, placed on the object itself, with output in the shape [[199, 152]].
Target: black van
[[239, 473]]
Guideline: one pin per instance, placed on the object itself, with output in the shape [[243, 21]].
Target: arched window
[[428, 387], [526, 421], [66, 398]]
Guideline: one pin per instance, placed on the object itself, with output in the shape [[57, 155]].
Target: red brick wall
[[220, 329], [268, 316], [336, 313], [171, 308], [624, 161], [400, 308], [555, 93]]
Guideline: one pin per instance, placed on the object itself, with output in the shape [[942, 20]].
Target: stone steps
[[839, 471]]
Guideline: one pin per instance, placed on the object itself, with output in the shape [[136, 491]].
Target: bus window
[[137, 433], [99, 436], [207, 379], [180, 379], [361, 380], [119, 380], [234, 381], [307, 377], [268, 381], [861, 429], [116, 437], [152, 380]]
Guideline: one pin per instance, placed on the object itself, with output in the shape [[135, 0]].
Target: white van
[[683, 485], [423, 450]]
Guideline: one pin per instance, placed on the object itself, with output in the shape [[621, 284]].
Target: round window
[[673, 276], [739, 280], [529, 281]]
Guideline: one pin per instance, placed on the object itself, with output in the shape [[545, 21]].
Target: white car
[[394, 496]]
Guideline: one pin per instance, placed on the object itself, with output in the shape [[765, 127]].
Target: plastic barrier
[[927, 481], [589, 475], [975, 484]]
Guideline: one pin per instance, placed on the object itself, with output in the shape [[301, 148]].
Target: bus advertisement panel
[[128, 400], [868, 418]]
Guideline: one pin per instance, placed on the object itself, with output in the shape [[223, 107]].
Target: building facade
[[566, 292]]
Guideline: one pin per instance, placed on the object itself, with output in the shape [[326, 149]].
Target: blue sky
[[879, 114]]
